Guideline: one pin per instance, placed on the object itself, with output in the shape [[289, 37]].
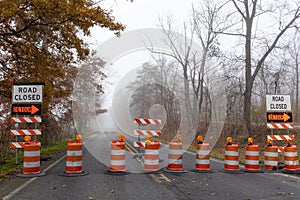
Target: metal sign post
[[26, 107]]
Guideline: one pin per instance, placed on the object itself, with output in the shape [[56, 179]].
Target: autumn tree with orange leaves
[[41, 41]]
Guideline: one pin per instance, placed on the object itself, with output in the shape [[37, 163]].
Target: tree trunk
[[249, 82]]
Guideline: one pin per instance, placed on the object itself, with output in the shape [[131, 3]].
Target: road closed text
[[278, 106], [278, 102], [27, 93]]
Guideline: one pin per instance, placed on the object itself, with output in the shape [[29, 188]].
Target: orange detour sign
[[26, 109], [74, 159], [252, 157], [31, 163], [151, 157], [291, 163]]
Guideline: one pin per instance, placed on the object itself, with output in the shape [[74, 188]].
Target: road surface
[[137, 185]]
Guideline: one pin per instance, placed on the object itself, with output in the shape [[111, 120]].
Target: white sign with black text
[[27, 94], [278, 102]]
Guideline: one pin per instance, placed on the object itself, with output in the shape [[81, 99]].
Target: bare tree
[[205, 27], [257, 47]]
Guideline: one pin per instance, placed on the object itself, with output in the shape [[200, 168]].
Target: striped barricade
[[25, 132], [280, 138], [147, 132], [147, 121], [280, 125], [36, 119], [17, 145], [139, 144]]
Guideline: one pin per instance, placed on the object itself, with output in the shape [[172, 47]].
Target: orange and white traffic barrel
[[202, 156], [117, 157], [74, 158], [175, 156], [271, 157], [31, 163], [231, 162], [252, 157], [151, 156], [291, 163]]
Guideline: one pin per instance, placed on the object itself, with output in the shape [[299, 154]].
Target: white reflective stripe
[[147, 151], [202, 152], [231, 162], [252, 162], [252, 153], [231, 153], [272, 163], [151, 162], [31, 153], [295, 162], [177, 152], [290, 154], [73, 164], [271, 154], [31, 164], [117, 162], [202, 162], [172, 161], [117, 152], [74, 153]]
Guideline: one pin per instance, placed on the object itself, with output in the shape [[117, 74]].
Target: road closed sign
[[278, 103], [27, 93]]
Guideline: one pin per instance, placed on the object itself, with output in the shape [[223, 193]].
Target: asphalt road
[[137, 185]]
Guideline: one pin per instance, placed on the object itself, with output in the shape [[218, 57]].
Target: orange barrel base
[[231, 162], [291, 163], [31, 163], [202, 158], [74, 159], [117, 158], [151, 157], [175, 158], [252, 158], [271, 158]]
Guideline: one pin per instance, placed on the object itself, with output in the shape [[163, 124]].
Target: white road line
[[10, 195]]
